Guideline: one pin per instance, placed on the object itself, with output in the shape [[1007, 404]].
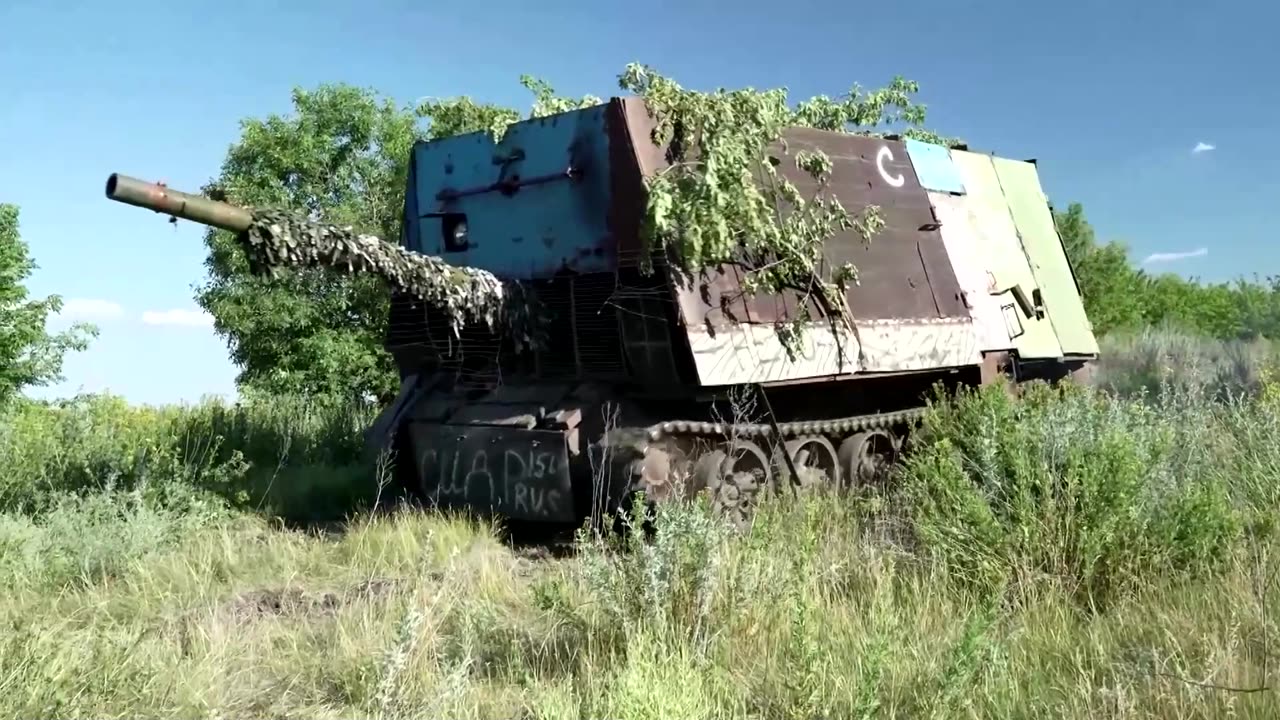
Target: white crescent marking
[[894, 180]]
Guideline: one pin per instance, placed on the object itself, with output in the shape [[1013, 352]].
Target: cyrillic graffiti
[[516, 481], [886, 154]]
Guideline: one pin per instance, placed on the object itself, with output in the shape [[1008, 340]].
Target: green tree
[[341, 156], [1259, 307], [1112, 289], [29, 355], [1117, 295], [1216, 310]]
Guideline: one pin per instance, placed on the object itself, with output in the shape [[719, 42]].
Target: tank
[[637, 380]]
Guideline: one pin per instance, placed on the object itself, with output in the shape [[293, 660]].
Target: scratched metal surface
[[1034, 220], [934, 167], [541, 227], [1003, 254], [754, 353], [969, 251]]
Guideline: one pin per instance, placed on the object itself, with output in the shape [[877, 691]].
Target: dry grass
[[419, 616], [1066, 556]]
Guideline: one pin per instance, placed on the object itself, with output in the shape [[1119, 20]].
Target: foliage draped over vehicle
[[278, 239], [30, 356], [724, 200], [342, 158]]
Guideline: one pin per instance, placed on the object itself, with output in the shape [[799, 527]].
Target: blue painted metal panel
[[934, 167], [548, 222]]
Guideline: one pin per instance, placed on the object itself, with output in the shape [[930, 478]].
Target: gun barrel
[[153, 196]]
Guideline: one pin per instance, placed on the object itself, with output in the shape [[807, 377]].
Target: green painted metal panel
[[1005, 261], [1034, 220]]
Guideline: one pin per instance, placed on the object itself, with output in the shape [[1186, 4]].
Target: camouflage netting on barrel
[[278, 239]]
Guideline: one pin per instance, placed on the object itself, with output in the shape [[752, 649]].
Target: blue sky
[[1111, 98]]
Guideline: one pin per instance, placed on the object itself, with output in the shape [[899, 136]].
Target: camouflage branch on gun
[[274, 238]]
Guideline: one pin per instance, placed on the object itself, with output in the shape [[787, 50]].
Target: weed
[[1084, 551]]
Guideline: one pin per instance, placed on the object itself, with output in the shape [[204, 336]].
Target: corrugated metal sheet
[[1029, 206], [934, 167], [1005, 259], [968, 251]]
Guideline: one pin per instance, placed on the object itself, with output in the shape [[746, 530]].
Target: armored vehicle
[[665, 383]]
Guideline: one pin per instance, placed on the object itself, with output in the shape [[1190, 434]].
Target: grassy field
[[1108, 551]]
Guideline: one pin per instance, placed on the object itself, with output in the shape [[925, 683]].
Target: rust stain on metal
[[633, 156]]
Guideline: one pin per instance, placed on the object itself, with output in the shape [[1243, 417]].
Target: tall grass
[[1082, 552], [1155, 359], [287, 456]]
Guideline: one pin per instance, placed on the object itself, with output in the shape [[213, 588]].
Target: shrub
[[1068, 485], [289, 456], [1156, 359]]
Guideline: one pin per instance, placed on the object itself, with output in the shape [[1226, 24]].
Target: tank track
[[877, 421], [737, 463]]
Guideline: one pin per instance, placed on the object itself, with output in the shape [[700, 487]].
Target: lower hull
[[562, 452], [511, 472]]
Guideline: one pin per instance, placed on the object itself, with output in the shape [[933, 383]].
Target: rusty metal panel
[[908, 308], [934, 167], [632, 157], [514, 472], [904, 271], [1033, 336], [968, 252], [649, 157], [1030, 208], [715, 297], [388, 420], [712, 299]]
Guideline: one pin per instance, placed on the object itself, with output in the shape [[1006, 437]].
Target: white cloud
[[89, 309], [1173, 256], [178, 317], [1202, 147]]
